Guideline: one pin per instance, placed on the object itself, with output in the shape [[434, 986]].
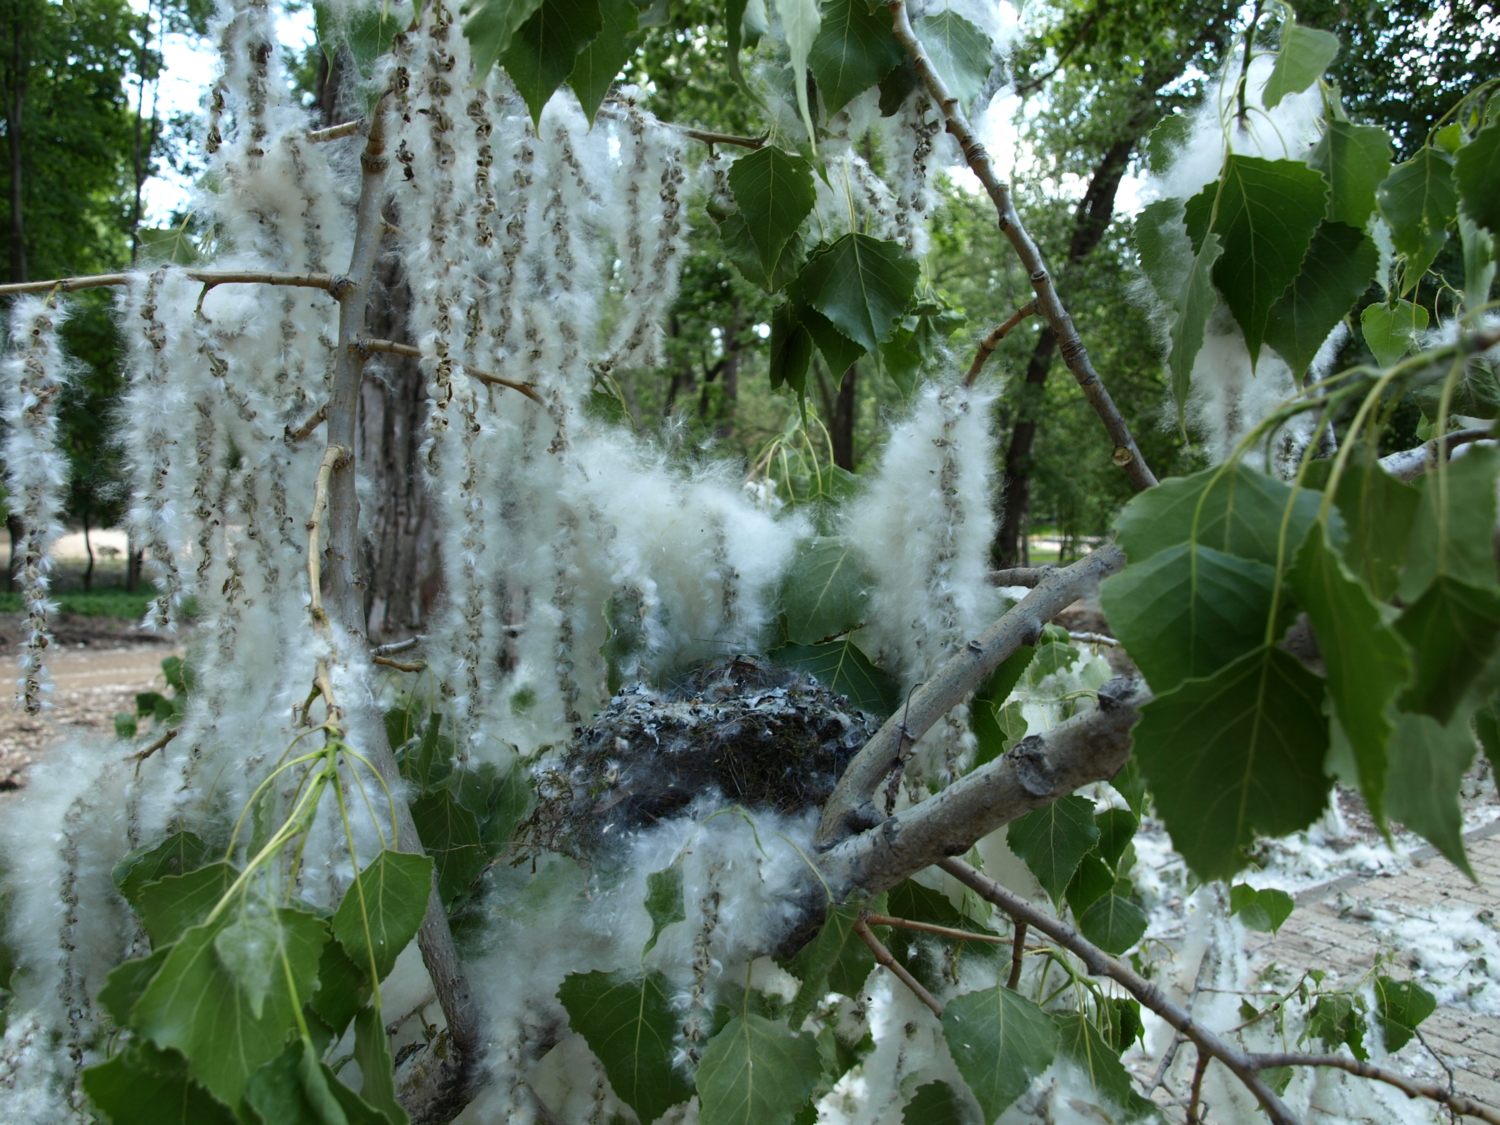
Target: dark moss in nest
[[753, 733]]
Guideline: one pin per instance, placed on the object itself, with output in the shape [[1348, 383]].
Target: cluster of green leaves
[[163, 711], [231, 1016], [1340, 1017], [1290, 246], [1243, 737]]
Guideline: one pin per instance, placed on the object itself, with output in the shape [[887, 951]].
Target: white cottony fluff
[[32, 376]]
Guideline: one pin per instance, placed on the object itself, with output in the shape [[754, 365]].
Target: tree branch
[[1017, 954], [883, 956], [929, 928], [851, 808], [1464, 1107], [1075, 355], [1409, 464], [333, 456], [334, 132], [1101, 965], [1021, 575], [393, 348], [210, 278], [988, 345], [1035, 772]]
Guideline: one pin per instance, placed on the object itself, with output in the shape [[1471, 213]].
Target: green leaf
[[740, 249], [1113, 923], [343, 988], [896, 87], [755, 1072], [1479, 261], [1262, 911], [498, 801], [1366, 661], [936, 1103], [1120, 1023], [774, 191], [1476, 393], [799, 30], [1129, 784], [1401, 1006], [450, 835], [544, 49], [195, 1006], [179, 854], [1117, 827], [381, 912], [1419, 201], [917, 903], [250, 949], [1188, 611], [629, 1023], [598, 63], [1190, 316], [1453, 533], [791, 349], [1091, 882], [1241, 515], [125, 983], [1355, 160], [170, 245], [1081, 1043], [1162, 244], [490, 28], [1428, 761], [372, 1051], [1266, 214], [1336, 1020], [863, 285], [1165, 141], [1053, 839], [1451, 629], [429, 761], [839, 352], [1338, 268], [1390, 331], [142, 1084], [961, 54], [825, 590], [1000, 1041], [1234, 755], [997, 727], [817, 958], [1305, 54], [1477, 174], [663, 901], [840, 666], [1378, 511], [169, 906], [296, 1089], [854, 50]]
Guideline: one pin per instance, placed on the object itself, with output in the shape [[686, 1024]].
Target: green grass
[[108, 601]]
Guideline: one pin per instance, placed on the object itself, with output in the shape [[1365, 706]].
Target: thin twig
[[1409, 464], [1100, 964], [332, 457], [209, 278], [1094, 639], [398, 646], [145, 752], [334, 132], [988, 345], [1193, 1099], [1442, 1062], [400, 666], [1126, 455], [1160, 1077], [1458, 1103], [1017, 956], [65, 284], [393, 348], [929, 928], [305, 431], [883, 957], [724, 139]]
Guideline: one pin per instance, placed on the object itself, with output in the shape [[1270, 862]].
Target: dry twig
[[988, 345], [883, 957]]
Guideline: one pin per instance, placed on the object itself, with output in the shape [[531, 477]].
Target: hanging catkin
[[31, 379]]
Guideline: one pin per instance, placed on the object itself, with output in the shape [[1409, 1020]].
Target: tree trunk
[[839, 410], [15, 105], [88, 546]]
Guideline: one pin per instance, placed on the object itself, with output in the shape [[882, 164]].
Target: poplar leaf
[[381, 912], [125, 983], [1428, 761], [1191, 311], [825, 590], [774, 191], [1355, 160], [800, 21], [1091, 882], [840, 666], [142, 1084], [863, 285], [1338, 268], [544, 49], [1236, 755], [1053, 839], [744, 255], [1165, 141], [630, 1025], [790, 351], [1241, 515], [999, 1041], [961, 54], [195, 1005], [936, 1103], [1366, 660], [1419, 202], [490, 27], [854, 50], [450, 835], [1113, 923], [250, 948], [1477, 173], [1453, 531], [755, 1072], [169, 906], [179, 854], [1305, 54], [1391, 330], [372, 1051], [1161, 243], [1378, 511], [1188, 611], [343, 988], [663, 902], [1262, 911], [1451, 629], [1081, 1043], [1267, 213], [1401, 1006], [817, 958], [598, 64], [296, 1089], [1117, 827]]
